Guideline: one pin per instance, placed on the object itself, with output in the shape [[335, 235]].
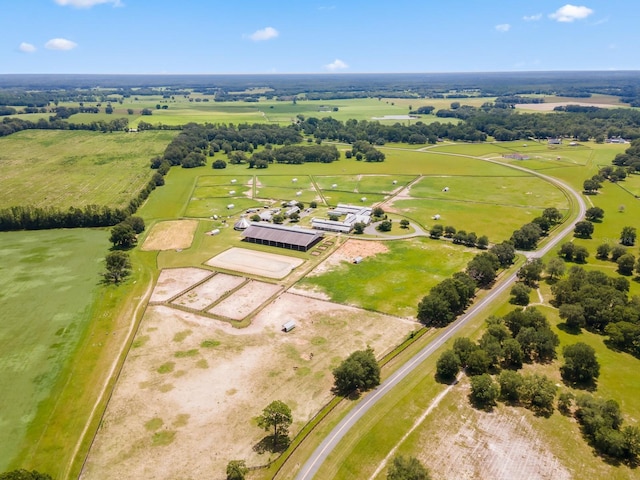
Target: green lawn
[[393, 282], [76, 168], [48, 284]]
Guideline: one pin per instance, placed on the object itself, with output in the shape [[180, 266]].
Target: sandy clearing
[[190, 421], [210, 291], [245, 300], [170, 235], [270, 265], [465, 443], [351, 249], [172, 281]]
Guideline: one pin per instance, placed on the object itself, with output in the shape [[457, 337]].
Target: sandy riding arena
[[191, 386], [253, 262], [171, 235]]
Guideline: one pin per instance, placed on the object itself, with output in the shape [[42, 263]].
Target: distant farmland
[[53, 168]]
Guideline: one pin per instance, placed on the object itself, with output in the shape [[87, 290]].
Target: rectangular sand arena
[[210, 291], [173, 281], [269, 265], [245, 300]]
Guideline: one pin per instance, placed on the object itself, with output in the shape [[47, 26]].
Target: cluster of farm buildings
[[342, 219]]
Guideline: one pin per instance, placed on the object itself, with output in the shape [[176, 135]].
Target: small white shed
[[287, 327]]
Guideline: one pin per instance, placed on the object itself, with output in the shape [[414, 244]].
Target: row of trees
[[459, 237], [13, 125], [453, 295]]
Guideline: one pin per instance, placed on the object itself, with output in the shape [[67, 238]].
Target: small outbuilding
[[357, 260], [287, 327]]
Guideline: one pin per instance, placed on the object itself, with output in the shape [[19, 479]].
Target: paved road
[[310, 468]]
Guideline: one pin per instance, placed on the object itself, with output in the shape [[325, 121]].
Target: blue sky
[[302, 36]]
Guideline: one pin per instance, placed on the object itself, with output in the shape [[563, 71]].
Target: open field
[[48, 284], [189, 375], [170, 235], [76, 168], [191, 386], [392, 281]]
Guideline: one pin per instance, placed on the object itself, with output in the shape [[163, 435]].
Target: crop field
[[76, 168], [48, 283]]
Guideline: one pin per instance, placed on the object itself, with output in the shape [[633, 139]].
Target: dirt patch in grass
[[171, 235], [207, 403], [351, 249]]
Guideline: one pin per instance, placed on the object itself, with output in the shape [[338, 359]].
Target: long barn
[[301, 239]]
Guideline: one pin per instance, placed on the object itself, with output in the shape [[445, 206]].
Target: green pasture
[[207, 207], [334, 197], [523, 191], [48, 284], [225, 179], [222, 191], [382, 184], [297, 182], [393, 282], [75, 168]]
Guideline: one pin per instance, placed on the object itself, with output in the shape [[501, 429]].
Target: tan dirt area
[[210, 291], [464, 443], [245, 300], [351, 249], [191, 386], [173, 281], [270, 265], [171, 235]]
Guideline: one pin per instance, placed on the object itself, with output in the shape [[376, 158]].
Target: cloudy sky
[[258, 36]]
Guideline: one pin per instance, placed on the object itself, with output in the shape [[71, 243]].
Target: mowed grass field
[[48, 283], [392, 282], [76, 168]]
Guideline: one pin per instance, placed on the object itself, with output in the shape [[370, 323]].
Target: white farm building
[[352, 214]]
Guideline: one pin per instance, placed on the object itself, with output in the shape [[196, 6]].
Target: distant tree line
[[13, 125]]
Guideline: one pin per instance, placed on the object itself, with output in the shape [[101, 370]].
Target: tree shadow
[[590, 386], [569, 329], [446, 380], [267, 444]]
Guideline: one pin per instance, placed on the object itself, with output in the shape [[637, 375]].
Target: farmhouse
[[283, 237], [353, 214]]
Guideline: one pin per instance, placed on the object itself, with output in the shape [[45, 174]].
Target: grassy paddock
[[76, 168], [393, 282]]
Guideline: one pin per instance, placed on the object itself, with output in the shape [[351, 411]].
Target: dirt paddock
[[191, 385]]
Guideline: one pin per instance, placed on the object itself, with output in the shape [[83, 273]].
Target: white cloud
[[264, 34], [532, 18], [87, 3], [569, 13], [27, 47], [60, 44], [503, 27], [336, 65]]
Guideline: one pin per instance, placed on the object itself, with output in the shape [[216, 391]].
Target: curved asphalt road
[[310, 468]]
